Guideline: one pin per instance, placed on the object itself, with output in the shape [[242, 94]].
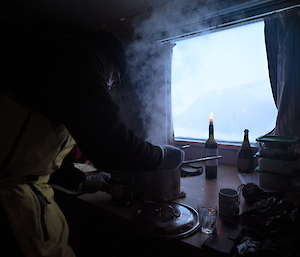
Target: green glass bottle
[[245, 155], [211, 149]]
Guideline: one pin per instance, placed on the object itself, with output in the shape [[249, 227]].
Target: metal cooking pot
[[160, 185]]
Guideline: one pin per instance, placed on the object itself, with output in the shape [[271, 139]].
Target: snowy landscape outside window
[[224, 73]]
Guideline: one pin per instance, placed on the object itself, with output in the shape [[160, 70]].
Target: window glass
[[224, 73]]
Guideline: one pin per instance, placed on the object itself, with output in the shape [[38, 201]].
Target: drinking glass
[[208, 217]]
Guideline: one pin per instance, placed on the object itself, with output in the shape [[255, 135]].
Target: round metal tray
[[167, 220]]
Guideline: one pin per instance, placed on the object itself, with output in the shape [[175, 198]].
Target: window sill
[[228, 150]]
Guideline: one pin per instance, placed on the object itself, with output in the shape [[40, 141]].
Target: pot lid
[[278, 139], [167, 220]]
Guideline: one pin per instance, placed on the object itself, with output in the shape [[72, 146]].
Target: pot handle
[[163, 214]]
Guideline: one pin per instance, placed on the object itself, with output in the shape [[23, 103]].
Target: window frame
[[246, 15], [237, 142], [228, 150]]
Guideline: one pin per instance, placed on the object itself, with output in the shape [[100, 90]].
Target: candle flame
[[211, 119]]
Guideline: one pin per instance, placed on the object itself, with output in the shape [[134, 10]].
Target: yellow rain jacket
[[32, 147]]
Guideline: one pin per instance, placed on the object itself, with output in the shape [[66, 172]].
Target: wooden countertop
[[197, 188]]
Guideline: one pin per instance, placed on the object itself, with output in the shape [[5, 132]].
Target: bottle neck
[[211, 131], [246, 139]]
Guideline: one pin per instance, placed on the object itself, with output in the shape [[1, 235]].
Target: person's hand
[[97, 182], [172, 157]]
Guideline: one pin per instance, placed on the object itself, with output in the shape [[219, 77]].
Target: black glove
[[172, 157], [97, 182]]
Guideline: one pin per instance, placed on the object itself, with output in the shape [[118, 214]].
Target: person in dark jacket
[[54, 94]]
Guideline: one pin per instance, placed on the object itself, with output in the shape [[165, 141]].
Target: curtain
[[282, 35]]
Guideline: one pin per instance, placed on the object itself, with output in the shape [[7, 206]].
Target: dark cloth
[[76, 155], [62, 77], [68, 176], [9, 245], [67, 170]]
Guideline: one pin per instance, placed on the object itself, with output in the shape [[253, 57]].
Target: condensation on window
[[224, 73]]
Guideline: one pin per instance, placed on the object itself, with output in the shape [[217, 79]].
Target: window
[[224, 73]]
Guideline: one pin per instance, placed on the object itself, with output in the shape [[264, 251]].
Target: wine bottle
[[211, 149], [245, 155]]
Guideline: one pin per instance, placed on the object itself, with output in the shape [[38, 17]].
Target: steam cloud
[[148, 60]]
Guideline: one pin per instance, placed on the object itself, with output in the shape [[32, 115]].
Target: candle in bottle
[[211, 149], [211, 119]]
